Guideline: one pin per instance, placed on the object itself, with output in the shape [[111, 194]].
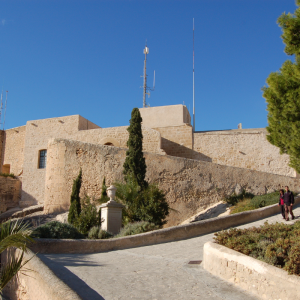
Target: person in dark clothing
[[288, 199], [281, 203]]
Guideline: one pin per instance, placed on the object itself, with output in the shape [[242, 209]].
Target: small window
[[109, 144], [42, 159]]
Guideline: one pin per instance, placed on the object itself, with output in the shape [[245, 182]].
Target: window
[[42, 159]]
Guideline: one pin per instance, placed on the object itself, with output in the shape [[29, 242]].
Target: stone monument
[[111, 212]]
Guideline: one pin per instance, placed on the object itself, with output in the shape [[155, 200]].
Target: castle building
[[167, 130]]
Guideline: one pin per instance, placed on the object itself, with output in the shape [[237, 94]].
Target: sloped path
[[150, 272]]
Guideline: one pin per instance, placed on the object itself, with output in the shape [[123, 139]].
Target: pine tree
[[283, 93], [135, 164], [75, 208]]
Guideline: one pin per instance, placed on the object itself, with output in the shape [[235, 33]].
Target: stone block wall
[[190, 185], [38, 132], [118, 136], [245, 148], [10, 193], [177, 140], [13, 150]]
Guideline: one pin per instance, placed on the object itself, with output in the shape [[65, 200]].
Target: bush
[[277, 244], [12, 175], [234, 198], [88, 216], [57, 230], [97, 233], [136, 228], [142, 205]]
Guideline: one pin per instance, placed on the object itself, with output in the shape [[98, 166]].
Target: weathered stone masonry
[[190, 185]]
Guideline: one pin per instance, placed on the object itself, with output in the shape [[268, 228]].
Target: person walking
[[281, 203], [288, 199]]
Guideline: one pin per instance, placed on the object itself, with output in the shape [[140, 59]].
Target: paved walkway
[[150, 272]]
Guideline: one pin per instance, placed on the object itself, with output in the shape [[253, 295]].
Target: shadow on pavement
[[70, 279]]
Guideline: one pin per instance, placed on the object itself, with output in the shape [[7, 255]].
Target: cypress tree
[[135, 165], [103, 191], [75, 208], [283, 93]]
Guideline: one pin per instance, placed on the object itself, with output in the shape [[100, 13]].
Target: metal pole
[[193, 76], [145, 78]]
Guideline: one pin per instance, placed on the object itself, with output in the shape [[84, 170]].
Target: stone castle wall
[[190, 185], [38, 132], [10, 193], [177, 140], [244, 148], [13, 150], [118, 136]]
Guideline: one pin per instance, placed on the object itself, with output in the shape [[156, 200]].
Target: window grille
[[43, 159]]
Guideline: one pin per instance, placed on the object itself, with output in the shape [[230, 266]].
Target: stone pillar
[[111, 212]]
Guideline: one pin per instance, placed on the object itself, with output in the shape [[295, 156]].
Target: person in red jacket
[[288, 199], [281, 203]]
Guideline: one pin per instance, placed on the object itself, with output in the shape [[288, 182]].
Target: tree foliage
[[142, 205], [283, 93], [135, 164], [75, 208], [13, 234]]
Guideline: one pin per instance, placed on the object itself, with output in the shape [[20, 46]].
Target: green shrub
[[57, 230], [12, 175], [88, 216], [142, 205], [277, 244], [234, 198], [255, 202], [97, 233], [136, 228]]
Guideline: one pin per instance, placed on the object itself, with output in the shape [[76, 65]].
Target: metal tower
[[145, 87]]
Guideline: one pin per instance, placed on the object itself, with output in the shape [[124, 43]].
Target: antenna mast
[[5, 110], [193, 76], [145, 87], [1, 106]]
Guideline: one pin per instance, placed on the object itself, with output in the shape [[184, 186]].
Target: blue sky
[[85, 57]]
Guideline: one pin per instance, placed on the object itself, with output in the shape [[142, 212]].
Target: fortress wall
[[190, 185], [13, 149], [85, 124], [10, 192], [38, 132], [118, 136], [243, 148], [177, 140]]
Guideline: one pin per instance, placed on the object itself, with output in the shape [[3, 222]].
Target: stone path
[[150, 272]]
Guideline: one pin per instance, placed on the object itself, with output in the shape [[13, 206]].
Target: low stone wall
[[257, 277], [190, 185], [38, 282], [10, 193], [170, 234]]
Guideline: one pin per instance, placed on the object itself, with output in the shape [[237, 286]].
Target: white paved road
[[150, 272]]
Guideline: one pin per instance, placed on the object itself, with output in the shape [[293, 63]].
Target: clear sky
[[61, 58]]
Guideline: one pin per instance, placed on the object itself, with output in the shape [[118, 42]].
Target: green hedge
[[277, 244]]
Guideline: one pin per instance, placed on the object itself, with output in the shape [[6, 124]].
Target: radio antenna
[[146, 89], [193, 76], [1, 106], [5, 110]]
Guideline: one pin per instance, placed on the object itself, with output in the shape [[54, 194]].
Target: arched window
[[42, 159], [109, 144]]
